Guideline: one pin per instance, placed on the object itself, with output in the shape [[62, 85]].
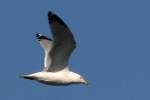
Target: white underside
[[61, 77]]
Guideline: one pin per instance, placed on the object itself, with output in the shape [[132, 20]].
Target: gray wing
[[46, 43], [63, 43]]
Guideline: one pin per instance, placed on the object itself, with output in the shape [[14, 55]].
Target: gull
[[57, 53]]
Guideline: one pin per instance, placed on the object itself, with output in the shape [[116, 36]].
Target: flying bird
[[57, 53]]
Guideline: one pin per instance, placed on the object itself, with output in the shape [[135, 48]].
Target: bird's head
[[79, 79], [83, 80]]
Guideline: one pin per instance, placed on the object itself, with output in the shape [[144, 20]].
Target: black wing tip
[[40, 36], [50, 13], [52, 17]]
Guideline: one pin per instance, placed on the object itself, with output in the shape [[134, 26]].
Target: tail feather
[[28, 77]]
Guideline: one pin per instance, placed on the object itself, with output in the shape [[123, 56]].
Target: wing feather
[[63, 43]]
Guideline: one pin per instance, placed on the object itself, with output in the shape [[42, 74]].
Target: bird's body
[[57, 53], [64, 77]]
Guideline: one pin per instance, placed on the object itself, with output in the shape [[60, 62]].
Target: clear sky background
[[113, 53]]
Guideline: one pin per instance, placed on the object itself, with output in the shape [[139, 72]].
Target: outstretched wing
[[63, 43], [46, 43]]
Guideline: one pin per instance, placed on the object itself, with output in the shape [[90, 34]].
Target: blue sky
[[113, 50]]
